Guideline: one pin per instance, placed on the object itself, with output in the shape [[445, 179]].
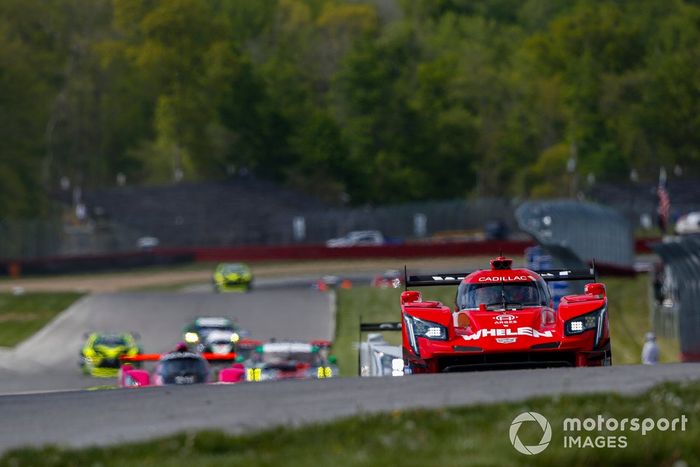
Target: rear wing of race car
[[549, 275], [435, 279], [154, 357], [379, 327]]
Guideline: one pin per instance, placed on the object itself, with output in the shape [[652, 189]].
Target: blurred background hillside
[[350, 102]]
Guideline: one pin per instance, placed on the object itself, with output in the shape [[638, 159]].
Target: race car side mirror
[[482, 306], [596, 289], [410, 296]]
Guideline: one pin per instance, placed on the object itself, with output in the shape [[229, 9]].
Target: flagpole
[[664, 201]]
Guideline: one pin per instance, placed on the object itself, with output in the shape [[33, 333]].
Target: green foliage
[[450, 98], [23, 315]]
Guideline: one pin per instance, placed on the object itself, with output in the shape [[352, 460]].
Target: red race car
[[390, 279], [504, 318]]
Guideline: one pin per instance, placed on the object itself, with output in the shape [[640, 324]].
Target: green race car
[[100, 356], [232, 277]]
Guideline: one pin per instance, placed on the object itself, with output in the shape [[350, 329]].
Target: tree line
[[353, 101]]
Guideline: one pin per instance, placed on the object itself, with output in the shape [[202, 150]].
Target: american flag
[[664, 201]]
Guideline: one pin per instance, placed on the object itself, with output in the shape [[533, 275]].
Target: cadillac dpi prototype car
[[291, 360], [178, 367], [504, 318], [101, 353], [232, 277]]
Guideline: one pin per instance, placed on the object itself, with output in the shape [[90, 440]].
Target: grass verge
[[627, 303], [446, 437], [23, 315]]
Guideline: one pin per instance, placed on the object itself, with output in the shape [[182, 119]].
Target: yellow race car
[[101, 354], [232, 277]]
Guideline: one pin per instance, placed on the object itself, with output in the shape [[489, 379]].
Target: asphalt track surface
[[83, 418], [49, 359], [60, 413]]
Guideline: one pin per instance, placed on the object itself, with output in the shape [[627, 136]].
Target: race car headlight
[[235, 337], [267, 375], [130, 381], [429, 329], [587, 322], [397, 367], [191, 337], [416, 327], [582, 323], [253, 374], [323, 372]]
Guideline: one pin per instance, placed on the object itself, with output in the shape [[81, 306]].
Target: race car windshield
[[280, 357], [182, 366], [234, 269], [110, 341], [208, 329], [494, 296]]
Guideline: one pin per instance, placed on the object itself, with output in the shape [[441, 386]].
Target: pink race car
[[179, 367]]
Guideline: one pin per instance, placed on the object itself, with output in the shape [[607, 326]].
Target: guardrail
[[675, 304], [171, 256]]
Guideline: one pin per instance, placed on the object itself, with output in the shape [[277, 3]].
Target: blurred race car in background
[[232, 277], [505, 318], [212, 334], [357, 238], [688, 224], [328, 282], [101, 353], [390, 279], [291, 360], [378, 357], [246, 347], [178, 367]]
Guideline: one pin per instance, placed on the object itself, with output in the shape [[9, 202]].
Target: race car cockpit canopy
[[111, 340], [233, 268], [502, 286], [512, 294]]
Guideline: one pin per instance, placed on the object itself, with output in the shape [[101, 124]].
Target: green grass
[[445, 437], [628, 303], [371, 305], [23, 315], [627, 298]]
